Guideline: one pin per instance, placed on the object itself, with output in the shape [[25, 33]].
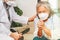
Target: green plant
[[19, 12]]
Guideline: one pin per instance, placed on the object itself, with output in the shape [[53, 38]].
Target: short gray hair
[[46, 5]]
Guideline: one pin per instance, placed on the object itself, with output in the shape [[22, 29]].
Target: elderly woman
[[46, 23]]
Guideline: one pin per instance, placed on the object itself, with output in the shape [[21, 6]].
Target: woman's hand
[[40, 28], [16, 36], [40, 24]]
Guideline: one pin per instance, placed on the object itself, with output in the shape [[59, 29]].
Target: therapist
[[5, 23]]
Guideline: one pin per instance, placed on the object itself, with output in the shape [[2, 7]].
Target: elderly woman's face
[[43, 12], [42, 9]]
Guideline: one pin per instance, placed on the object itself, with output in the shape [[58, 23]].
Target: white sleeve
[[56, 22], [17, 18], [56, 31], [3, 20]]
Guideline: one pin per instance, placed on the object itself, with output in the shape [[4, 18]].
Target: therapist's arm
[[21, 19], [17, 18]]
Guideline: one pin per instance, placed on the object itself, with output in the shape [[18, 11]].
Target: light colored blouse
[[53, 23]]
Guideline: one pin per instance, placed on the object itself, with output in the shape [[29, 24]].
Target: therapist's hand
[[32, 18], [16, 36]]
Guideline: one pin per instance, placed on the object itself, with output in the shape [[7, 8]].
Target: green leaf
[[19, 12]]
